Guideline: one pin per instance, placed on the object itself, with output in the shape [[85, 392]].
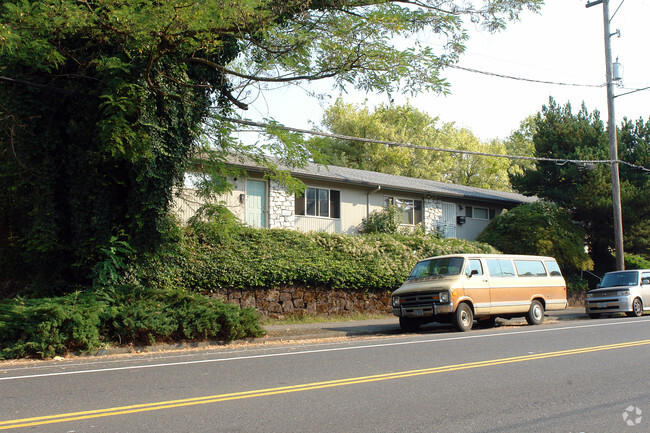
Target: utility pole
[[613, 146]]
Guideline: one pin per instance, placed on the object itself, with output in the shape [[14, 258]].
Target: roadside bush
[[123, 315], [44, 327]]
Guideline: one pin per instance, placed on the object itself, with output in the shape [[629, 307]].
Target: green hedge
[[205, 261], [46, 327]]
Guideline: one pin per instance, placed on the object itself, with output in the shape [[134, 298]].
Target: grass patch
[[306, 319]]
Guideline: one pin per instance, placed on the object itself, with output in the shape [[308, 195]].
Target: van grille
[[419, 299]]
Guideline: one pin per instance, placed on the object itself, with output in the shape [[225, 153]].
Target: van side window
[[473, 265], [553, 268], [507, 270], [530, 268], [500, 268]]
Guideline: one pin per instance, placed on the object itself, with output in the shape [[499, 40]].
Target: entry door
[[448, 221], [256, 203]]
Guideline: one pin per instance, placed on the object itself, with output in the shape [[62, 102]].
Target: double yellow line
[[123, 410]]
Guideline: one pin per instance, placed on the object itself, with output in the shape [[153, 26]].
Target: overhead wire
[[558, 161], [530, 80]]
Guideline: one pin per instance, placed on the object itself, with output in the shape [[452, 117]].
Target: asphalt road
[[566, 376]]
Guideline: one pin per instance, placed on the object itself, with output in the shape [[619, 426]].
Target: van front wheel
[[535, 315], [408, 324], [463, 318]]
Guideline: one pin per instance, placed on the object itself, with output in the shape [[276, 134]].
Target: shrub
[[46, 327], [121, 315], [385, 220]]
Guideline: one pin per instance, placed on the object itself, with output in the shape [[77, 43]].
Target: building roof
[[374, 179]]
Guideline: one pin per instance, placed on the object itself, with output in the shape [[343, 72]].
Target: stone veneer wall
[[282, 205], [298, 301], [432, 214]]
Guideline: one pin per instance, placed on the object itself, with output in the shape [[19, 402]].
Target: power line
[[529, 80], [557, 161]]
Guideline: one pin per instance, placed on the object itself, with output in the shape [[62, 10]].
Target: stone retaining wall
[[298, 301], [278, 303]]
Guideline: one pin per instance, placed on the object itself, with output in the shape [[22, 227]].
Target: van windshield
[[613, 279], [437, 267]]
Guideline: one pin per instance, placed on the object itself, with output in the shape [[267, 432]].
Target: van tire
[[463, 317], [408, 324], [637, 308], [535, 315]]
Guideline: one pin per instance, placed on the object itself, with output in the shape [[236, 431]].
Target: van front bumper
[[423, 310]]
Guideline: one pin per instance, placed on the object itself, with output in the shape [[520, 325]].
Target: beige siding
[[187, 202]]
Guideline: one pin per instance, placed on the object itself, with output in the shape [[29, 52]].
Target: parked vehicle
[[463, 287], [620, 292]]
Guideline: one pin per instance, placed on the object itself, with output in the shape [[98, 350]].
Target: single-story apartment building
[[337, 199]]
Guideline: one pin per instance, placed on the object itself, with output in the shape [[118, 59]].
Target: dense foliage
[[585, 190], [406, 124], [205, 260], [84, 321], [103, 102], [540, 229]]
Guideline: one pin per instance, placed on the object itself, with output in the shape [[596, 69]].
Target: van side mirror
[[473, 272], [645, 280]]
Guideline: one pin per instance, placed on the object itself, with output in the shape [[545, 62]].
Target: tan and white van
[[462, 287]]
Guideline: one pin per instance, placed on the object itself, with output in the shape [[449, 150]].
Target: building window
[[411, 209], [479, 213], [319, 202]]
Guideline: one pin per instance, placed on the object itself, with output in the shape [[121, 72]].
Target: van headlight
[[444, 297], [590, 295], [395, 301], [622, 292]]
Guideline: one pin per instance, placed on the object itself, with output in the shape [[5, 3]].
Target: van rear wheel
[[535, 315], [463, 318]]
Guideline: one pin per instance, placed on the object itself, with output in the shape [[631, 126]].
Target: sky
[[564, 43]]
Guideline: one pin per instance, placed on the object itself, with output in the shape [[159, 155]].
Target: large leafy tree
[[539, 228], [408, 125], [103, 102], [585, 189]]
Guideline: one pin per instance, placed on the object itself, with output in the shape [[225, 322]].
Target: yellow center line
[[122, 410]]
